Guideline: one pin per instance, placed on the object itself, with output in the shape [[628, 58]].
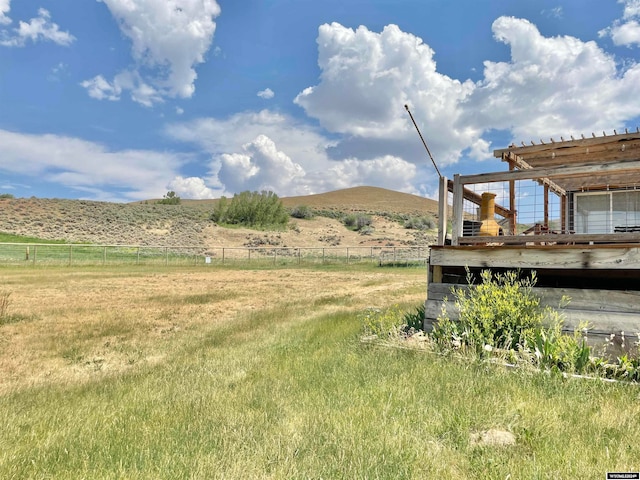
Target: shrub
[[6, 195], [420, 223], [251, 209], [500, 311], [170, 198], [302, 211], [357, 222]]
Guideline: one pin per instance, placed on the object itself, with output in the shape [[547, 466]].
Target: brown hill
[[367, 199], [149, 223]]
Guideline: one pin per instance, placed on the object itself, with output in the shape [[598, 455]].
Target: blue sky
[[124, 100]]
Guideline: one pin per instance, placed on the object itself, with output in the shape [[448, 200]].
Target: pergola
[[563, 167]]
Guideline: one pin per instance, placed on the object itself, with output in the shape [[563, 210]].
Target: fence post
[[223, 255], [323, 255], [138, 256], [347, 255], [70, 254], [298, 255], [166, 256], [35, 252], [249, 254]]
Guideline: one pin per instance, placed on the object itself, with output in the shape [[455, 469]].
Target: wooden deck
[[602, 281]]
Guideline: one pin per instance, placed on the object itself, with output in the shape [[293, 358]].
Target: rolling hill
[[149, 223]]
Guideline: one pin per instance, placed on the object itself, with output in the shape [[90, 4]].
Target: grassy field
[[146, 373]]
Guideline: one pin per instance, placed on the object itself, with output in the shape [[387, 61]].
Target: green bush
[[251, 209], [6, 195], [503, 313], [302, 211], [170, 198]]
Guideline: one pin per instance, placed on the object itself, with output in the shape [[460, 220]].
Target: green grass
[[283, 393], [11, 238]]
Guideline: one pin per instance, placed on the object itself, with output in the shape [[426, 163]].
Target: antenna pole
[[423, 142]]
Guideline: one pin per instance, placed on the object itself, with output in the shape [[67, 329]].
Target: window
[[607, 212]]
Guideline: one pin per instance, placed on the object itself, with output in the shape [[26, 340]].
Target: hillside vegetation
[[188, 223]]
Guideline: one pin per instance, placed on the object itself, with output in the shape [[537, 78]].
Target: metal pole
[[423, 142]]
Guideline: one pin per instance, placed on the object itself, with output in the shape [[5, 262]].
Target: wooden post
[[512, 201], [442, 211], [564, 225], [458, 214], [546, 205]]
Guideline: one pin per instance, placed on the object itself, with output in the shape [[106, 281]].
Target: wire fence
[[86, 254]]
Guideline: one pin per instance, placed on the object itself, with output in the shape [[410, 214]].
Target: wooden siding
[[620, 257]]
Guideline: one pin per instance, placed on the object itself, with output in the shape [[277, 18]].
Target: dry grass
[[146, 373], [90, 323]]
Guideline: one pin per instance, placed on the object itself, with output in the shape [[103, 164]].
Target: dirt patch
[[493, 438]]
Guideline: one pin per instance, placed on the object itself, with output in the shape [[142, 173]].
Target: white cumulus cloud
[[191, 187], [398, 174], [267, 93], [625, 31], [37, 29], [5, 7], [261, 166], [368, 77], [169, 38], [549, 86]]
